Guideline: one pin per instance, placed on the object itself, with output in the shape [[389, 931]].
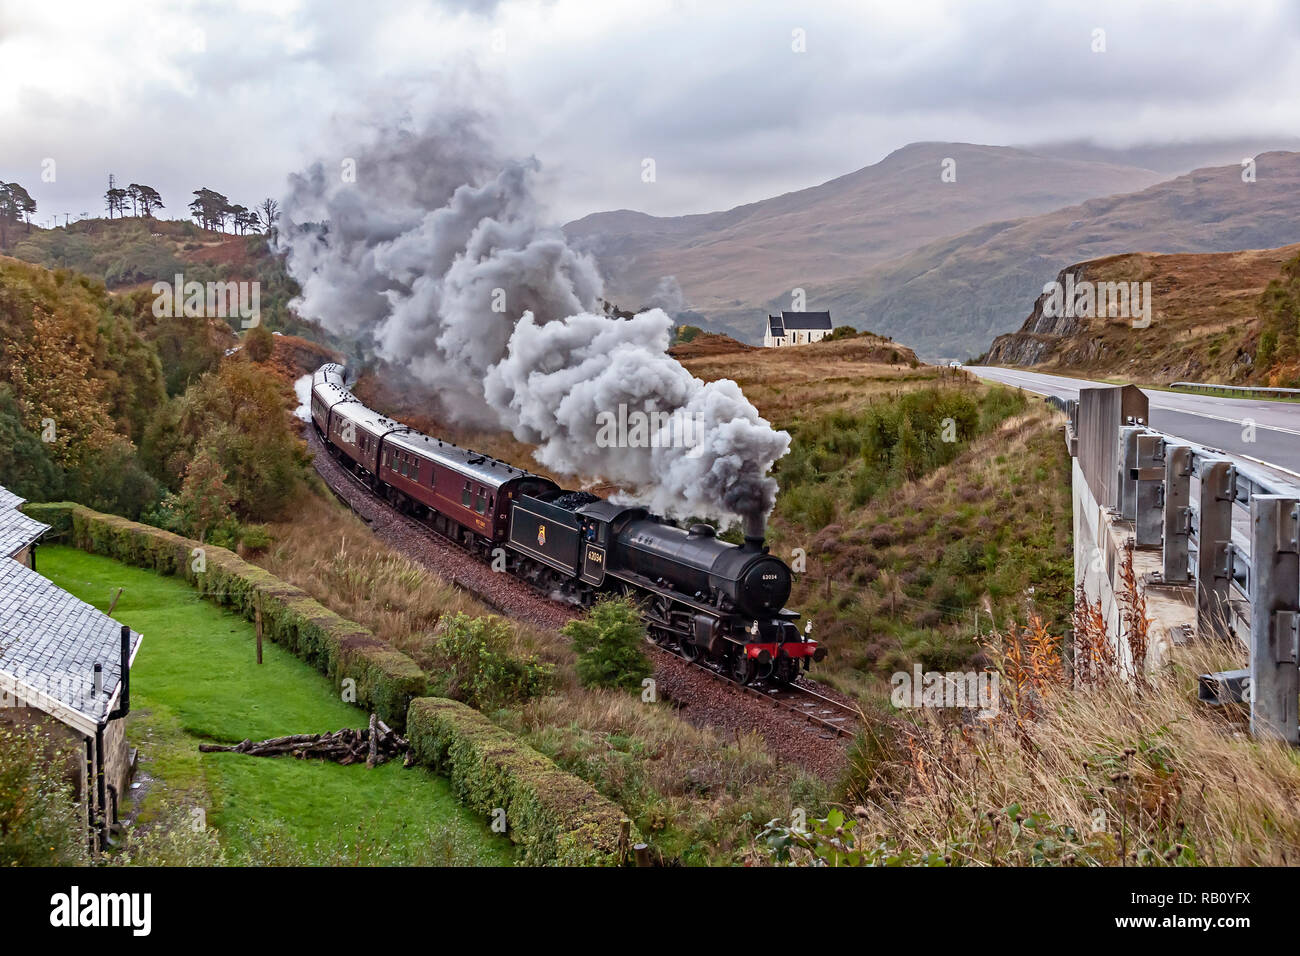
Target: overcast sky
[[236, 95]]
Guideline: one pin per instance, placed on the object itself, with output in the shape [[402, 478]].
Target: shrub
[[610, 642], [40, 824], [254, 537], [478, 667], [1267, 349], [171, 840], [204, 502], [259, 343]]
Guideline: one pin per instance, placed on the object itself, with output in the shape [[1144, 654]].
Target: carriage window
[[464, 495], [492, 502], [415, 469], [482, 500]]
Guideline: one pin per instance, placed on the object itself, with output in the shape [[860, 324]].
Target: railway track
[[823, 713], [816, 709]]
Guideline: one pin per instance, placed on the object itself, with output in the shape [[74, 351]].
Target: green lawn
[[196, 678]]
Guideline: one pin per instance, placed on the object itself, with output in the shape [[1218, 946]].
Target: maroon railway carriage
[[358, 432], [463, 494], [453, 483]]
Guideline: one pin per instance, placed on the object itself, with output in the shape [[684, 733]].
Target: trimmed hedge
[[58, 515], [386, 680], [556, 817]]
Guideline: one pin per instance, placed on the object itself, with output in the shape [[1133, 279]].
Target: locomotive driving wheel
[[742, 667], [689, 650]]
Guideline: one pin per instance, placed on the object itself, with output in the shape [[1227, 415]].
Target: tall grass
[[1113, 773], [335, 558]]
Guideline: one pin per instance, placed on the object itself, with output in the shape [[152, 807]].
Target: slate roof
[[17, 530], [806, 321], [774, 326], [51, 641]]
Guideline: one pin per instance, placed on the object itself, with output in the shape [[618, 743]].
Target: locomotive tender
[[714, 600]]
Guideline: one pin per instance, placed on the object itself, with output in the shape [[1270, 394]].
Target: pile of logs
[[375, 745]]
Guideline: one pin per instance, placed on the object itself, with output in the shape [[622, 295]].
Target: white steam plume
[[438, 259]]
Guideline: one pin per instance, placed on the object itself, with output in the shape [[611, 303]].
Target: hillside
[[132, 253], [733, 264], [952, 297], [1206, 321]]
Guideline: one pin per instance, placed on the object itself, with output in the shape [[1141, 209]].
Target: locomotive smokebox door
[[593, 565]]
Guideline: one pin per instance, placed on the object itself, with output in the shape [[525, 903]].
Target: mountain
[[1205, 326], [734, 265], [950, 298], [1173, 159]]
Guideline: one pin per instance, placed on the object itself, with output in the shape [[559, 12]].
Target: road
[[1222, 423]]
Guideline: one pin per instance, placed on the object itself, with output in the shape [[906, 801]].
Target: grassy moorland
[[196, 679]]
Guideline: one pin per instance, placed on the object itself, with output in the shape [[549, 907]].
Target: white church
[[796, 328]]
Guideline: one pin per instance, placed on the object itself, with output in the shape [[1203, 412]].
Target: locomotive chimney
[[754, 532]]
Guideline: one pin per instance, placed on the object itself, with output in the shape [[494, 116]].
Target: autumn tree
[[77, 369], [240, 414]]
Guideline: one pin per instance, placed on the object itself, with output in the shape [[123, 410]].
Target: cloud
[[234, 96]]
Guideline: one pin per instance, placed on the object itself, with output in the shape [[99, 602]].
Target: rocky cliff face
[[1037, 340]]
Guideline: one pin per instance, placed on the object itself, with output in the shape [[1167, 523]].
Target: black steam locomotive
[[714, 600]]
